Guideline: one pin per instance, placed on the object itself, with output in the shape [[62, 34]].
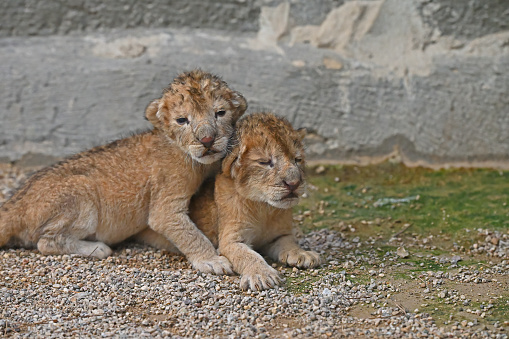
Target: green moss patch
[[379, 200]]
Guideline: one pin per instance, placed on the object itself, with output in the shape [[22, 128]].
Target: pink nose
[[293, 185], [207, 141]]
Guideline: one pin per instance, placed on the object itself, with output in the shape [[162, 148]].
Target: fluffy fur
[[248, 208], [102, 196]]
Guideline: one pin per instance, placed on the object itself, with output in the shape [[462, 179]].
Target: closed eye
[[297, 160], [220, 113], [264, 162]]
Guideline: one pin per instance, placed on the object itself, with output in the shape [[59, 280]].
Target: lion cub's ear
[[240, 103], [231, 163], [151, 113], [301, 133]]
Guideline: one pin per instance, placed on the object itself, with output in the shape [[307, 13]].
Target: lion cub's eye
[[182, 121], [297, 160], [266, 162], [220, 113]]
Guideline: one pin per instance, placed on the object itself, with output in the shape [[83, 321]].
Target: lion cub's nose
[[292, 185], [207, 141]]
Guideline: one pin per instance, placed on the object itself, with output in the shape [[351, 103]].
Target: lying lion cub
[[261, 179], [248, 207], [103, 196]]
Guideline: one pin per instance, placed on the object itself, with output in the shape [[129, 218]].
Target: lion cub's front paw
[[301, 259], [260, 278], [217, 265]]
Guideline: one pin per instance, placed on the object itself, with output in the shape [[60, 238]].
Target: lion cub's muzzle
[[205, 133], [292, 183], [209, 146], [208, 141]]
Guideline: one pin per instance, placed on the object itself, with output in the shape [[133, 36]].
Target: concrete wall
[[423, 80]]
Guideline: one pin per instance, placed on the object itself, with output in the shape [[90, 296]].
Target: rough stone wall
[[423, 80], [49, 17], [466, 20]]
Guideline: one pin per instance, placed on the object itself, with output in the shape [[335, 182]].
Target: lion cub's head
[[267, 161], [198, 111]]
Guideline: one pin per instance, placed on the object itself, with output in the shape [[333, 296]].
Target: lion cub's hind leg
[[75, 219], [62, 244]]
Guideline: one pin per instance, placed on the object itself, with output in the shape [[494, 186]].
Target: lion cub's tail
[[9, 226]]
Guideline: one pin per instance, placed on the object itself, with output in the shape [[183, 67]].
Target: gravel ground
[[362, 290]]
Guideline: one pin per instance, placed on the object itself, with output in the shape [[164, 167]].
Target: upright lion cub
[[249, 206], [103, 196]]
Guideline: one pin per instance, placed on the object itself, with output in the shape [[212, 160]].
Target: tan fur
[[248, 208], [103, 196]]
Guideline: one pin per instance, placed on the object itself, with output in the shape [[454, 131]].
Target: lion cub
[[103, 196], [249, 206]]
